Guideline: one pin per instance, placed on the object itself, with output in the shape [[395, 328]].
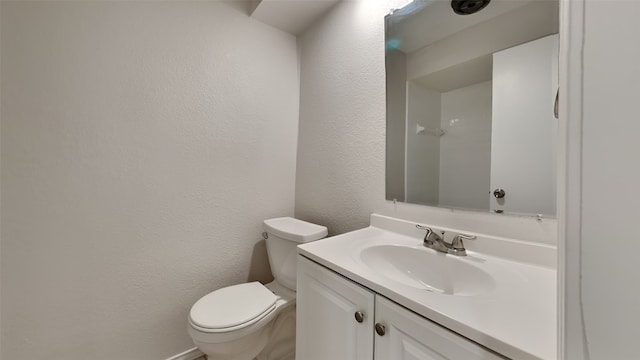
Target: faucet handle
[[466, 236], [457, 243], [457, 246], [430, 237]]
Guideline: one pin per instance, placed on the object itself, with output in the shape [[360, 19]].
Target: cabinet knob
[[380, 329], [359, 316]]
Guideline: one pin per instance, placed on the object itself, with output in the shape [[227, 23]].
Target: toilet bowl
[[251, 320], [236, 322]]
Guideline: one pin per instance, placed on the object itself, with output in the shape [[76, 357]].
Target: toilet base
[[272, 339], [276, 342], [236, 350], [282, 342]]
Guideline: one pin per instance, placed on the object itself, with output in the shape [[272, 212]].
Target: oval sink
[[425, 269]]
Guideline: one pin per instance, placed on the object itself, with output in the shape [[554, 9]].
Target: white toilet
[[247, 321]]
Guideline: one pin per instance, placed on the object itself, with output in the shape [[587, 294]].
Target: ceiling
[[292, 16]]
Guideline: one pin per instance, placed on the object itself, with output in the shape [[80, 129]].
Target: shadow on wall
[[259, 266]]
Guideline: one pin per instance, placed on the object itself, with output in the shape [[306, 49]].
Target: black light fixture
[[467, 7]]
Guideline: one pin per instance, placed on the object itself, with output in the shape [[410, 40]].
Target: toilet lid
[[232, 306]]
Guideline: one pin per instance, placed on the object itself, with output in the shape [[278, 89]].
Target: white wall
[[341, 152], [142, 145], [610, 172], [465, 148], [341, 146], [422, 149]]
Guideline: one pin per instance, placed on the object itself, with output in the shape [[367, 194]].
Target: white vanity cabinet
[[410, 336], [334, 316], [328, 326]]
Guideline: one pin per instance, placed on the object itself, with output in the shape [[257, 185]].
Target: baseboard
[[190, 354]]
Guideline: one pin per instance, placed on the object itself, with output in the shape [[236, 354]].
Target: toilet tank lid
[[294, 229]]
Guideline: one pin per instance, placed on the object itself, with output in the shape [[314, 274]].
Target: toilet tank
[[283, 235]]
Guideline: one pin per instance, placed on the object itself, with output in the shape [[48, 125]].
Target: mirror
[[470, 106]]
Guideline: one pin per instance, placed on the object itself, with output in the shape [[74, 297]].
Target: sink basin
[[426, 269]]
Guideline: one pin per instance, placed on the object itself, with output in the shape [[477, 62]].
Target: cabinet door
[[408, 336], [326, 326]]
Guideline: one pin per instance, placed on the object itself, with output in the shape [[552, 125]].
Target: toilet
[[252, 320]]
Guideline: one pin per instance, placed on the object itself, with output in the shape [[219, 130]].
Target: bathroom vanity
[[378, 293]]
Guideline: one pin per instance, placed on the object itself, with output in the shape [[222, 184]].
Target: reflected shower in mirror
[[470, 105]]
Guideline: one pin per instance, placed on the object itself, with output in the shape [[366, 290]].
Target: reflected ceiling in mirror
[[470, 103]]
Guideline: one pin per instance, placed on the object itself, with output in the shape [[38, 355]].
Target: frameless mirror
[[470, 105]]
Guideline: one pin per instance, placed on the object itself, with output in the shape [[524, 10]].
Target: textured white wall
[[610, 172], [341, 147], [341, 151], [142, 146], [465, 148]]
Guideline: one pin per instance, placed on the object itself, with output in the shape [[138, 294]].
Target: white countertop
[[517, 319]]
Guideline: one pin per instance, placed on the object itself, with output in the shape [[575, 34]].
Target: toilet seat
[[232, 308]]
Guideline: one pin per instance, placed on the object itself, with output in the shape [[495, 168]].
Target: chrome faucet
[[437, 242]]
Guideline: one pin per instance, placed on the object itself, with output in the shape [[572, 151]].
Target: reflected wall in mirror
[[470, 106]]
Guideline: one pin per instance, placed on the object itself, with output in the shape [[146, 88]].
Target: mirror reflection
[[470, 105]]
